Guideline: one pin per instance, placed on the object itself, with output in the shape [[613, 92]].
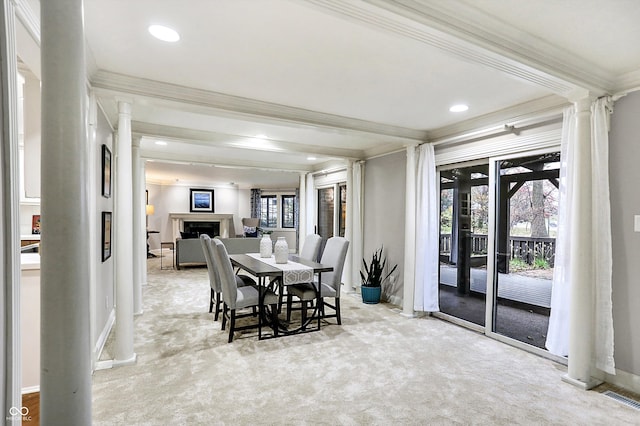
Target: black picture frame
[[106, 235], [201, 200], [106, 171]]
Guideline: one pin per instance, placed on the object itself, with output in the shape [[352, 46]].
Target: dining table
[[277, 276]]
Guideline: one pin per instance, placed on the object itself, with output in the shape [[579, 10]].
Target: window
[[268, 211], [288, 211]]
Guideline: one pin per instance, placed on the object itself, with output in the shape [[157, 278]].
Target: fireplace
[[212, 229], [223, 222]]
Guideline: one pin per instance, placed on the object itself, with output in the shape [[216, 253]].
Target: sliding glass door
[[526, 226], [464, 206]]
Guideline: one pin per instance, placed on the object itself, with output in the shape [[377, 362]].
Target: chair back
[[250, 226], [334, 254], [225, 272], [207, 247], [311, 248]]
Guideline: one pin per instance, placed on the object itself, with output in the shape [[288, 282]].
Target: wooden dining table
[[277, 276]]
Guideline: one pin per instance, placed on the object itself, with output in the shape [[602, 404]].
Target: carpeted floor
[[377, 368]]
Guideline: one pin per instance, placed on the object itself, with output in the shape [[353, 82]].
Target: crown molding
[[29, 19], [209, 102], [216, 139], [525, 114], [454, 28]]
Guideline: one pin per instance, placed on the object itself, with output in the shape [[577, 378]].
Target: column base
[[124, 362], [408, 315], [592, 383]]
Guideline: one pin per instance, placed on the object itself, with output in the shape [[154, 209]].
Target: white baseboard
[[102, 339], [30, 389], [628, 381]]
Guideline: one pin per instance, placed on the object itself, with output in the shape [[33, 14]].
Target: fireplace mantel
[[226, 221]]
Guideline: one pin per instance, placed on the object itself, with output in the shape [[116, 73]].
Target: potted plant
[[373, 278]]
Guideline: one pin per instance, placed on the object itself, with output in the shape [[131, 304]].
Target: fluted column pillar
[[409, 233], [139, 231], [65, 365], [302, 213], [581, 333], [123, 248], [143, 215]]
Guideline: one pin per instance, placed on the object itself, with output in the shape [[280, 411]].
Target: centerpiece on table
[[266, 245]]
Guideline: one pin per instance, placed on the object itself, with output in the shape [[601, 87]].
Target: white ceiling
[[342, 79]]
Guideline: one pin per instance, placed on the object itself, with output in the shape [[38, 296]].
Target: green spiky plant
[[373, 272]]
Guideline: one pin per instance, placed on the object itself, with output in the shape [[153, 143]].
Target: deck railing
[[528, 249]]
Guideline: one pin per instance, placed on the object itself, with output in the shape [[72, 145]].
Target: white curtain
[[558, 332], [357, 231], [311, 205], [600, 231], [601, 235], [427, 232]]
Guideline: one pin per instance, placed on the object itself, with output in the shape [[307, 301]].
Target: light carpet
[[378, 368]]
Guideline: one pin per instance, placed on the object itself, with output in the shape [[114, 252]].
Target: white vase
[[281, 250], [266, 246]]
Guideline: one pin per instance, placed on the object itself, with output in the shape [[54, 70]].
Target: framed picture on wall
[[106, 235], [106, 171], [201, 200]]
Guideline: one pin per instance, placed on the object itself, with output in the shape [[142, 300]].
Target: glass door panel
[[526, 226], [464, 207], [326, 205]]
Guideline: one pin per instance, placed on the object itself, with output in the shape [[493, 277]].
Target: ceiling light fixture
[[459, 108], [163, 143], [164, 33], [311, 158]]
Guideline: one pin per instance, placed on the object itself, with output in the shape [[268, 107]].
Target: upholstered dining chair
[[236, 298], [214, 278], [334, 254], [311, 248]]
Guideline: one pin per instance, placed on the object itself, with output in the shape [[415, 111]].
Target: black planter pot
[[371, 295]]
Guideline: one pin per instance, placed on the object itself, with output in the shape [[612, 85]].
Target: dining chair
[[236, 298], [214, 278], [311, 248], [334, 254]]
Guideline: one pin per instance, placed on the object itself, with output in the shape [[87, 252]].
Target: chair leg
[[211, 301], [304, 314], [289, 302], [224, 316], [232, 324], [274, 319], [338, 317], [218, 303]]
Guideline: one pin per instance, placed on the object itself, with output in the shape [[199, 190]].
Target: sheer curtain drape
[[558, 332], [600, 262], [357, 231], [427, 232], [255, 202]]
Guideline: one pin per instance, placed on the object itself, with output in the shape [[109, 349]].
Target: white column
[[581, 257], [302, 213], [65, 366], [9, 205], [409, 233], [348, 232], [123, 248], [143, 221], [139, 231]]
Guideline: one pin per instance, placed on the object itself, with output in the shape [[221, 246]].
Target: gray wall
[[384, 201], [624, 174]]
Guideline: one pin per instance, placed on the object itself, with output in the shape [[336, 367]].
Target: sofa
[[189, 250]]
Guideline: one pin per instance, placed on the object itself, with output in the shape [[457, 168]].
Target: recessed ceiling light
[[261, 136], [459, 108], [164, 33], [311, 158], [161, 143]]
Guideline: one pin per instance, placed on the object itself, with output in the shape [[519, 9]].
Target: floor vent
[[623, 399]]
